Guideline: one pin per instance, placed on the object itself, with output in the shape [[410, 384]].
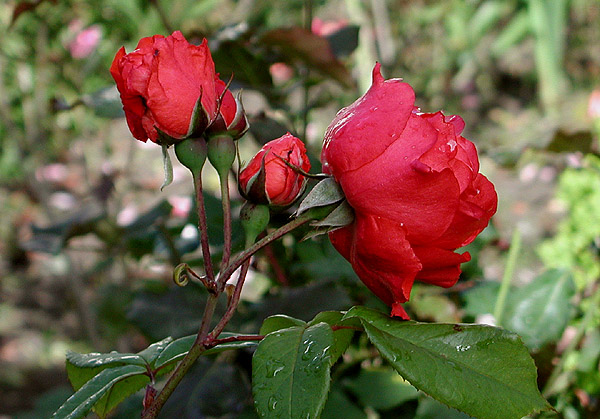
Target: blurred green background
[[88, 242]]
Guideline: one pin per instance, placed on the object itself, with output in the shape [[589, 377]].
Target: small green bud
[[221, 153], [191, 152], [254, 219]]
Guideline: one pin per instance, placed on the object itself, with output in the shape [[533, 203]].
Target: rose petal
[[385, 101]]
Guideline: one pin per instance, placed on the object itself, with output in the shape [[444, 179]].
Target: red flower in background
[[415, 187], [160, 83], [268, 179]]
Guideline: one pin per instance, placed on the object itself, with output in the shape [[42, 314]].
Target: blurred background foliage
[[87, 241]]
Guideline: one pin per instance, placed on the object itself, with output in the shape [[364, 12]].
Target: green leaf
[[93, 360], [381, 388], [278, 322], [152, 352], [341, 337], [178, 348], [540, 311], [290, 372], [80, 403], [338, 402], [481, 370], [432, 409], [175, 351], [481, 298]]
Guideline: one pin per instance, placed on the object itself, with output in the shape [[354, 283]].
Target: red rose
[[160, 83], [268, 179], [415, 188]]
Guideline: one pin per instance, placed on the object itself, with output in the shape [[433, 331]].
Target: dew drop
[[272, 403], [273, 368], [307, 351]]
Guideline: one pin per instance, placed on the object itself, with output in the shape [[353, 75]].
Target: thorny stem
[[201, 343], [235, 299], [203, 228], [243, 338], [204, 340], [196, 350]]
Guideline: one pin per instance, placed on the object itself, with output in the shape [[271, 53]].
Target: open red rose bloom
[[415, 187], [160, 83]]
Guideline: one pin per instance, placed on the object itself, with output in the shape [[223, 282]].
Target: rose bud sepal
[[200, 119], [255, 190], [227, 122]]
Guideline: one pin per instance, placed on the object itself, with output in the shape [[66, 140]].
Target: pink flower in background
[[182, 205], [594, 104], [85, 41], [281, 72], [327, 27]]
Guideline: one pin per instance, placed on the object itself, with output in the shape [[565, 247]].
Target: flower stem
[[203, 227], [511, 260], [226, 202]]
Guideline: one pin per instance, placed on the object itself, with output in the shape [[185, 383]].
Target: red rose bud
[[231, 119], [168, 88], [269, 180], [415, 187]]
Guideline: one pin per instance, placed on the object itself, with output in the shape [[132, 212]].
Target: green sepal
[[256, 187], [326, 192], [199, 120], [168, 166]]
